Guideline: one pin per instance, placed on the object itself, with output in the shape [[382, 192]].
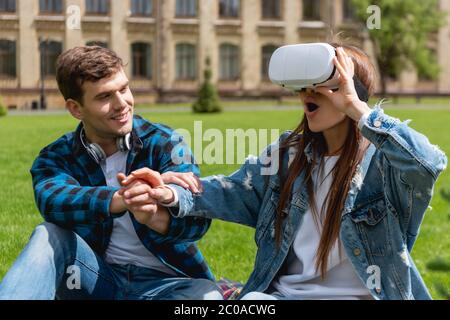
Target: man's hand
[[160, 222], [142, 205], [142, 193]]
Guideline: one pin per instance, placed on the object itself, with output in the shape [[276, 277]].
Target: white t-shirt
[[125, 247], [301, 281]]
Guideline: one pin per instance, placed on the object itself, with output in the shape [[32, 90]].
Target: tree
[[208, 99], [3, 109], [401, 41]]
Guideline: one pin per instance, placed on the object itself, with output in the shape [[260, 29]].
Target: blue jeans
[[57, 263]]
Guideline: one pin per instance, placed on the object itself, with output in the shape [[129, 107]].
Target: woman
[[339, 219]]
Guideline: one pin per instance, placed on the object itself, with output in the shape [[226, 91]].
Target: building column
[[163, 46], [74, 13], [28, 45], [207, 38], [292, 18], [250, 51], [119, 38]]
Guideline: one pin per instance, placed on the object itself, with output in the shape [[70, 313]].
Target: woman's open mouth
[[312, 107]]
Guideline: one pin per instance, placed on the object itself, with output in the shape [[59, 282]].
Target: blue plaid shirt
[[71, 192]]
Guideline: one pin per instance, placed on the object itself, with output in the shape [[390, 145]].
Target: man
[[94, 243]]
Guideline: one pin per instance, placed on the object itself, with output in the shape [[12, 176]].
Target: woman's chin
[[316, 129]]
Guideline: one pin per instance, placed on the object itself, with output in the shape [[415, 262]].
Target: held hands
[[144, 194], [145, 185], [158, 190], [144, 208]]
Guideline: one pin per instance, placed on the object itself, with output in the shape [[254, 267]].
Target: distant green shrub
[[3, 109], [208, 99]]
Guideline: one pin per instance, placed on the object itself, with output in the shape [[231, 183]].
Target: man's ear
[[74, 108]]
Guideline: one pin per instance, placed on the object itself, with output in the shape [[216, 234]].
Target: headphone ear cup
[[123, 143], [92, 154], [96, 152], [120, 144]]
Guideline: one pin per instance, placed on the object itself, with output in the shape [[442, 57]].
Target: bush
[[3, 109], [208, 99]]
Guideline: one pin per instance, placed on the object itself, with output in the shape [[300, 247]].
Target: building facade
[[166, 43]]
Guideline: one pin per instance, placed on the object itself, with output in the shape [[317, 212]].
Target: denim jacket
[[384, 208]]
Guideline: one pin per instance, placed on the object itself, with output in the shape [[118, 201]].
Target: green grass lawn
[[292, 100], [229, 248]]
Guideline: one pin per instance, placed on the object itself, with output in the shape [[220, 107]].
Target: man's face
[[107, 108]]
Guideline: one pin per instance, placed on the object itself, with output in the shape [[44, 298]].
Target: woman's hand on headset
[[346, 98]]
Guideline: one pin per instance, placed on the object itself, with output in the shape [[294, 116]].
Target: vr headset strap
[[361, 90]]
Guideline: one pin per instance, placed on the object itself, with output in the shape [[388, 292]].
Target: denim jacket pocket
[[373, 226]]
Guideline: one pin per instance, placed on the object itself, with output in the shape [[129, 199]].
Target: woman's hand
[[187, 180], [346, 98]]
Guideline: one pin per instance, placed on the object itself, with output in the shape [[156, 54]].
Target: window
[[186, 8], [50, 51], [271, 9], [229, 8], [267, 52], [311, 10], [229, 62], [97, 7], [7, 5], [141, 7], [141, 54], [186, 62], [50, 6], [97, 43], [7, 58], [348, 11]]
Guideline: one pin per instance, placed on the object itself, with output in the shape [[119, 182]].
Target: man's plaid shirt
[[71, 192]]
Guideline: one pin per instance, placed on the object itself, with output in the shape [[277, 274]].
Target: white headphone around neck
[[96, 152]]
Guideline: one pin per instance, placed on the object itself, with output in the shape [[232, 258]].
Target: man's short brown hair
[[80, 64]]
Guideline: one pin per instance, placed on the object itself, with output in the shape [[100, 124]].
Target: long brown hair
[[351, 155]]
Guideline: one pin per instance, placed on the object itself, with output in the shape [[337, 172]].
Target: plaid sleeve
[[176, 156], [60, 198], [181, 230]]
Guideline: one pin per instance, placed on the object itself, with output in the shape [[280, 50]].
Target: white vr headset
[[301, 66]]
